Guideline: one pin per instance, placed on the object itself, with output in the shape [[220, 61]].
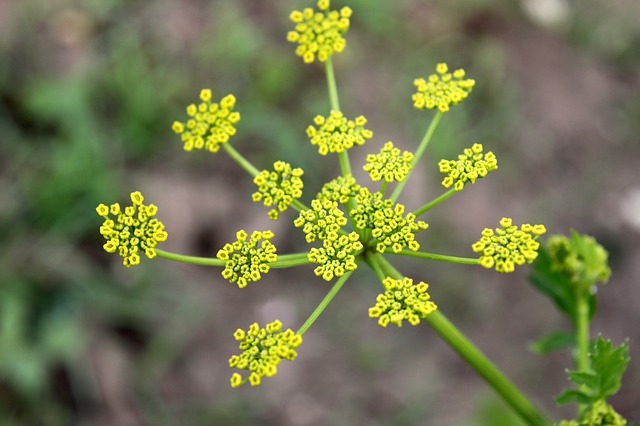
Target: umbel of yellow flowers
[[131, 231], [319, 33]]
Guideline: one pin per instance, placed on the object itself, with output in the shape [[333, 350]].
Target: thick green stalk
[[238, 158], [324, 303], [438, 257], [582, 337], [476, 359], [433, 203], [418, 154], [194, 260]]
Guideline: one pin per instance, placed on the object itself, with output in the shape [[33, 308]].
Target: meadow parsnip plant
[[350, 226]]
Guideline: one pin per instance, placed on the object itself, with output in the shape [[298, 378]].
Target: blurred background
[[88, 92]]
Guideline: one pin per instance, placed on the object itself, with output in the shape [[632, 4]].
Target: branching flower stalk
[[346, 225]]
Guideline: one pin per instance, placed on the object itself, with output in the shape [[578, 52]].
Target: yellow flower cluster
[[246, 261], [386, 221], [508, 246], [337, 134], [262, 350], [340, 189], [210, 125], [599, 414], [442, 89], [322, 221], [389, 164], [278, 187], [402, 301], [470, 166], [133, 231], [319, 34], [336, 256]]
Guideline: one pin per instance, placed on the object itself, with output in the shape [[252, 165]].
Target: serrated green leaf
[[609, 365], [573, 396], [553, 342], [604, 378], [584, 378]]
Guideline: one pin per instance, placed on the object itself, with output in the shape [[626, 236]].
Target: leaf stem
[[383, 187], [433, 203], [290, 260], [331, 83], [438, 257], [324, 303], [238, 158], [475, 358], [194, 260], [582, 337], [343, 157], [418, 154]]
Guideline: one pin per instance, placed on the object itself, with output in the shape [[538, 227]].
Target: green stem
[[324, 303], [238, 158], [343, 157], [331, 82], [418, 154], [435, 202], [345, 165], [383, 187], [476, 359], [582, 337], [377, 268], [298, 205], [290, 260], [194, 260], [438, 257]]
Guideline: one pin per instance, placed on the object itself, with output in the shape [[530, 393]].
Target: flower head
[[278, 187], [131, 231], [337, 134], [386, 221], [389, 164], [402, 301], [322, 221], [246, 261], [262, 350], [470, 166], [336, 256], [508, 246], [442, 89], [319, 34], [599, 414], [340, 189], [210, 124]]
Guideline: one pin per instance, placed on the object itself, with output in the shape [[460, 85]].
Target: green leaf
[[553, 342], [584, 378], [573, 396], [552, 283], [607, 365]]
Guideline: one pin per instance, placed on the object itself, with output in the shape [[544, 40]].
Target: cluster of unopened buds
[[347, 224]]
